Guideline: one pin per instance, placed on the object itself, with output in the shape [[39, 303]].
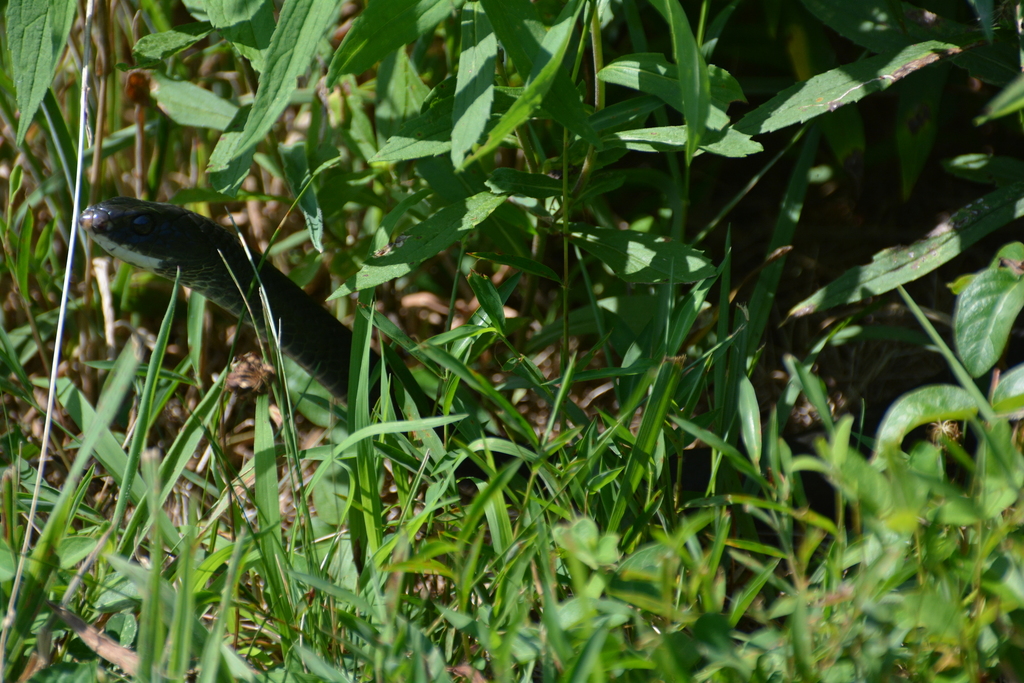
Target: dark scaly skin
[[172, 238]]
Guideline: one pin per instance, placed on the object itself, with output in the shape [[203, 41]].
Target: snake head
[[135, 231]]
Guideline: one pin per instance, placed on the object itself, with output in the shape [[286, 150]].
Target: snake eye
[[142, 224]]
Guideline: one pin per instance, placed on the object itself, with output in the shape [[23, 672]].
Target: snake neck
[[169, 240], [306, 331]]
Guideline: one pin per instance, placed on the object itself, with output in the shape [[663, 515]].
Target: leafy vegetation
[[580, 232]]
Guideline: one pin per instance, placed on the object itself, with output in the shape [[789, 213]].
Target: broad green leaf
[[626, 112], [431, 134], [750, 419], [400, 92], [296, 171], [641, 257], [984, 315], [247, 25], [524, 264], [298, 33], [37, 31], [152, 49], [985, 168], [224, 154], [876, 25], [475, 90], [189, 105], [521, 34], [584, 541], [919, 407], [843, 85], [384, 26], [511, 181], [695, 85], [422, 241], [547, 63], [427, 135], [651, 73], [728, 142], [898, 265], [872, 23]]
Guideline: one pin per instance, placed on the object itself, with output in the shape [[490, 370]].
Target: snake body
[[165, 239]]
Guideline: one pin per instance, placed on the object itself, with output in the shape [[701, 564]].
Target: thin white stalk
[[55, 364]]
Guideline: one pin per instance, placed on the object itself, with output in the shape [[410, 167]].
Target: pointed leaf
[[37, 31], [845, 84], [248, 25], [547, 64], [899, 265], [524, 264], [424, 240], [475, 90], [921, 406], [385, 26], [985, 313], [521, 33], [152, 49], [189, 105], [985, 168], [511, 181], [695, 86], [296, 171], [728, 142], [298, 33]]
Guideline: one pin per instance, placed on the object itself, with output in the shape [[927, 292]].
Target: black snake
[[164, 238]]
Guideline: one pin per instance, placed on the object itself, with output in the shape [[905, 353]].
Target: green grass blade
[[145, 415], [42, 561], [694, 83]]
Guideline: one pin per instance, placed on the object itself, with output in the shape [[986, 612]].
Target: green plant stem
[[597, 50], [522, 134], [566, 207], [731, 204], [955, 366], [702, 22], [679, 203]]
